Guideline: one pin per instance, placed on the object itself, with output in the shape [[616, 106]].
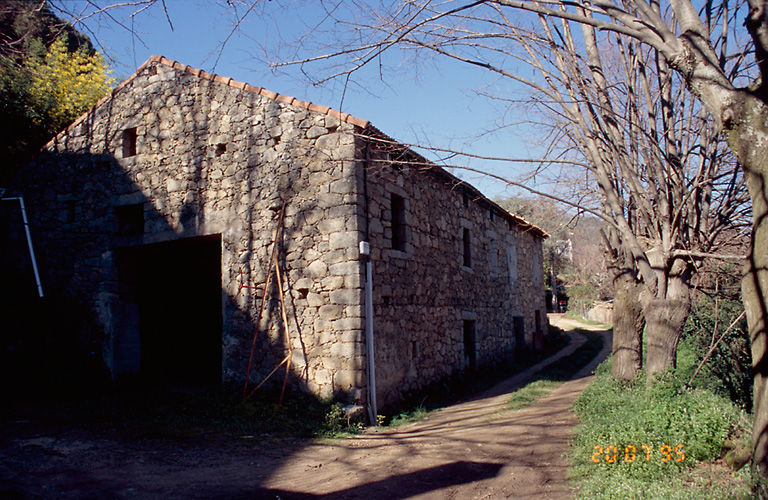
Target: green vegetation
[[574, 315], [727, 370], [531, 393], [556, 373], [463, 385], [639, 441], [64, 84], [408, 416], [49, 75]]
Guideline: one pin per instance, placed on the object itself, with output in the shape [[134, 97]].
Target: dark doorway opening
[[518, 325], [169, 327], [470, 353]]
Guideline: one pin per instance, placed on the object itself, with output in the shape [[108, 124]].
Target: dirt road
[[469, 450]]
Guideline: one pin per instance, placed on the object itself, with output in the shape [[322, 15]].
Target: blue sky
[[431, 102]]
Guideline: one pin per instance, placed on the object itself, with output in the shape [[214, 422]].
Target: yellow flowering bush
[[65, 84]]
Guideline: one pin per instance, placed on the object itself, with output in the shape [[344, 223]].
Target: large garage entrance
[[168, 323]]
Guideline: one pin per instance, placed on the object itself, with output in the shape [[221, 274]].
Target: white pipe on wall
[[29, 241], [365, 250]]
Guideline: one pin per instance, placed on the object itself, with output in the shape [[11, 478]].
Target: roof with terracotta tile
[[364, 125], [292, 101]]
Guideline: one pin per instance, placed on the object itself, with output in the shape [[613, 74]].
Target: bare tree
[[667, 187], [699, 48]]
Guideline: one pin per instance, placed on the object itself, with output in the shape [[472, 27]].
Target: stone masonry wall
[[424, 294], [212, 157], [217, 159]]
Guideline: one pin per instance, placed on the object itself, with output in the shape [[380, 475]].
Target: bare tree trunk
[[747, 137], [665, 319], [628, 323]]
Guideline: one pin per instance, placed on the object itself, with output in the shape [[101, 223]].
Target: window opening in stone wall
[[130, 219], [221, 148], [490, 214], [518, 326], [512, 263], [537, 268], [465, 236], [537, 320], [398, 222], [494, 255], [465, 199], [470, 353], [129, 142]]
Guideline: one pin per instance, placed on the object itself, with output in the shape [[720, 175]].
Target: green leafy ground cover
[[656, 441]]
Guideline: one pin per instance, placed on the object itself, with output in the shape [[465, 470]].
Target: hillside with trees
[[49, 75]]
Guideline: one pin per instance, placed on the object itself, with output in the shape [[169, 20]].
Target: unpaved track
[[469, 450]]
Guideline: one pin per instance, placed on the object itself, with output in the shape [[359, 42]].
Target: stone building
[[156, 211]]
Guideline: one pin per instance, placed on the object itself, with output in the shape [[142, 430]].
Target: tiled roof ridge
[[292, 101], [377, 134], [185, 68]]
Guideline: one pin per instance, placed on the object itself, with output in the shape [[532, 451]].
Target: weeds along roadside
[[554, 374], [656, 441]]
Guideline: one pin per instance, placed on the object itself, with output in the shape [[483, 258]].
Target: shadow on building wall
[[132, 292]]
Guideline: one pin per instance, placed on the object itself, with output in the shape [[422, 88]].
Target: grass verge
[[654, 441], [557, 372], [418, 404], [577, 317]]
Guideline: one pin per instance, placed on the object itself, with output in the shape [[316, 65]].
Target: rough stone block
[[317, 269], [330, 311], [315, 300], [344, 268], [346, 296]]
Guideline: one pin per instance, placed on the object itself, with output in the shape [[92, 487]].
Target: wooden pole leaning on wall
[[285, 330], [272, 262]]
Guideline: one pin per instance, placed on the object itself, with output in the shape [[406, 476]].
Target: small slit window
[[129, 142], [398, 222], [470, 352], [467, 244], [221, 148]]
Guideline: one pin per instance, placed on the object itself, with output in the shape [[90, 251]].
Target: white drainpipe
[[29, 241], [365, 250]]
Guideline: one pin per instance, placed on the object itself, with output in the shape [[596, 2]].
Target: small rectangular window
[[494, 255], [465, 236], [129, 142], [470, 351], [512, 264], [398, 222], [519, 331], [130, 219], [537, 320]]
